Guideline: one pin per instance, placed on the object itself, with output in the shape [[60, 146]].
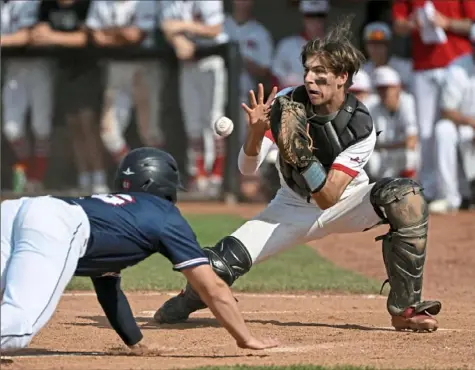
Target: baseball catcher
[[325, 137]]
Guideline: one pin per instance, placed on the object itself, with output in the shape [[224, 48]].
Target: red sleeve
[[268, 135], [401, 9], [340, 167], [468, 9]]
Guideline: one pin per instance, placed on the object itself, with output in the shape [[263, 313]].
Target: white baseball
[[224, 126]]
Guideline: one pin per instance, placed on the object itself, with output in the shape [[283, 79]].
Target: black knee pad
[[229, 258], [400, 202]]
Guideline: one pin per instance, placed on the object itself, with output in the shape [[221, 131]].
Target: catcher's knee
[[401, 202], [229, 259]]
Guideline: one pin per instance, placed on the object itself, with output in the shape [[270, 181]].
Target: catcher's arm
[[253, 152]]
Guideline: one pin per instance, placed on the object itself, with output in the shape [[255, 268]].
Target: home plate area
[[313, 329]]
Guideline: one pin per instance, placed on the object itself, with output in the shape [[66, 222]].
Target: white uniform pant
[[428, 86], [392, 163], [42, 240], [455, 161], [130, 83], [288, 221], [203, 97], [28, 85]]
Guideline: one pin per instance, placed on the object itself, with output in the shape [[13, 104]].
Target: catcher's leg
[[278, 227], [229, 259], [401, 203]]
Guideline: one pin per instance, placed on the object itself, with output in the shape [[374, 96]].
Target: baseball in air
[[223, 126]]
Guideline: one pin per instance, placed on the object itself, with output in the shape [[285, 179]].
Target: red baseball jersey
[[437, 55]]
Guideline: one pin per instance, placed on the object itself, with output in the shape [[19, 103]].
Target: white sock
[[99, 177], [84, 180]]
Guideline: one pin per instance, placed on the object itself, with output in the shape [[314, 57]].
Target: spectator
[[256, 47], [62, 23], [189, 25], [431, 60], [394, 117], [119, 24], [27, 87], [287, 67], [454, 134], [377, 37], [362, 88]]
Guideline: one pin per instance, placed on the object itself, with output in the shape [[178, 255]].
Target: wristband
[[315, 176]]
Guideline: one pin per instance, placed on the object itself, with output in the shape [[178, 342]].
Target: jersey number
[[115, 199]]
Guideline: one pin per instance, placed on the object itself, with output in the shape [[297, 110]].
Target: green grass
[[298, 269]]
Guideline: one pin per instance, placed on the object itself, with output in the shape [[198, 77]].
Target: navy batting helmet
[[149, 170]]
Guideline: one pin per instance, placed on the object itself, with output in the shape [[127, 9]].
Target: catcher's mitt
[[288, 122]]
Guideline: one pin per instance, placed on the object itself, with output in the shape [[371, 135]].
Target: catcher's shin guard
[[229, 259], [401, 203]]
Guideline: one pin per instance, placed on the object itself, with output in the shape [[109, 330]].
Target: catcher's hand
[[288, 123]]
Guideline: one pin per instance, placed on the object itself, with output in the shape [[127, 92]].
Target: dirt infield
[[316, 329]]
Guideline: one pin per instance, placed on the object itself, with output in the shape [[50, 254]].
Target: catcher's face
[[321, 84]]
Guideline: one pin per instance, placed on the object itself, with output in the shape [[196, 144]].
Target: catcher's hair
[[336, 51]]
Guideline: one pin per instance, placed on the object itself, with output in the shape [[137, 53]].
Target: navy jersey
[[127, 228]]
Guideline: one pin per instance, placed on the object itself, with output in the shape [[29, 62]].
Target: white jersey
[[402, 66], [287, 66], [395, 127], [350, 161], [255, 43], [104, 14], [209, 12], [17, 15], [459, 91]]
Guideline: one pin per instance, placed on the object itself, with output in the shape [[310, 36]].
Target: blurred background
[[84, 81]]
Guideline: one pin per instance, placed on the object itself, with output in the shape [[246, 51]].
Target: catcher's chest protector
[[352, 124]]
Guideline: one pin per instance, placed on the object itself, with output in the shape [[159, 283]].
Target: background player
[[286, 67], [256, 47], [27, 86], [61, 22], [326, 190], [430, 72], [394, 116], [377, 37], [99, 236], [121, 23], [362, 88], [455, 140], [189, 25]]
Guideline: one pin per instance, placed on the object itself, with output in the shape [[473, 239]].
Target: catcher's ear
[[342, 79]]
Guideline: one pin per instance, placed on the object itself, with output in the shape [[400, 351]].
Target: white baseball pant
[[288, 221], [203, 86], [42, 240], [454, 143], [427, 89], [28, 85], [392, 163]]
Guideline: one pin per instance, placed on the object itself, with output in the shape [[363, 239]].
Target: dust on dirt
[[313, 328]]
